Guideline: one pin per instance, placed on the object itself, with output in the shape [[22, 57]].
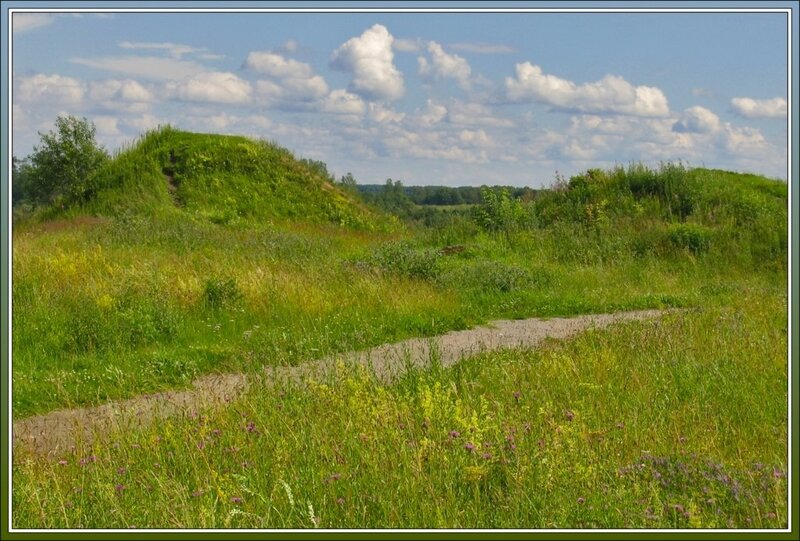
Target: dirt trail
[[58, 431]]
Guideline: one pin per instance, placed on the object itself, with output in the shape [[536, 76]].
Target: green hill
[[223, 179]]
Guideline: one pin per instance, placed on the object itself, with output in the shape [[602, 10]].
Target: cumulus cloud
[[50, 88], [341, 101], [106, 125], [697, 120], [443, 65], [752, 108], [275, 65], [744, 141], [215, 87], [370, 59], [476, 114], [382, 114], [291, 80], [115, 89], [611, 94]]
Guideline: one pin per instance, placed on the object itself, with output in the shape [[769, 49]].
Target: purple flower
[[486, 456], [201, 445], [236, 499], [778, 473], [121, 471], [251, 427], [469, 446], [454, 434], [120, 488]]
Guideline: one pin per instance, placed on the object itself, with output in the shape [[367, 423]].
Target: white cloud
[[215, 87], [744, 141], [381, 114], [475, 138], [610, 94], [115, 89], [341, 101], [370, 59], [476, 114], [22, 22], [275, 65], [406, 45], [144, 122], [175, 50], [106, 125], [697, 120], [50, 88], [292, 80], [432, 114], [752, 108], [443, 65], [482, 48], [147, 67]]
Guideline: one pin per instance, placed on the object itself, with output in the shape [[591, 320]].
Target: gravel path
[[57, 431]]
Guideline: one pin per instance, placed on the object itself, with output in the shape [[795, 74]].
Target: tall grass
[[677, 423]]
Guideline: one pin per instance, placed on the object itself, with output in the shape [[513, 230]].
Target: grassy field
[[190, 261]]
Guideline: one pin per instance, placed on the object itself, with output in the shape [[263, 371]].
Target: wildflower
[[251, 427], [121, 471], [216, 432], [516, 395], [454, 434], [120, 488], [486, 456], [201, 445], [236, 499], [569, 414], [778, 473], [63, 462], [469, 446]]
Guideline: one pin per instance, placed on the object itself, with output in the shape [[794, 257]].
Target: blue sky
[[455, 99]]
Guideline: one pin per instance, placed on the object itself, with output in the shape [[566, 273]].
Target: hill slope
[[223, 179]]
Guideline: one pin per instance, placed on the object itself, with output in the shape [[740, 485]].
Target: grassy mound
[[223, 179]]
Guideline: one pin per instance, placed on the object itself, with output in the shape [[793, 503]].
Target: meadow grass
[[105, 311], [205, 254], [672, 423]]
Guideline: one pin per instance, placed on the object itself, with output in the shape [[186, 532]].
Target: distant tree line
[[437, 195]]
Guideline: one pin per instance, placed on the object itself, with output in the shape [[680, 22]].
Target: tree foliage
[[64, 165]]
